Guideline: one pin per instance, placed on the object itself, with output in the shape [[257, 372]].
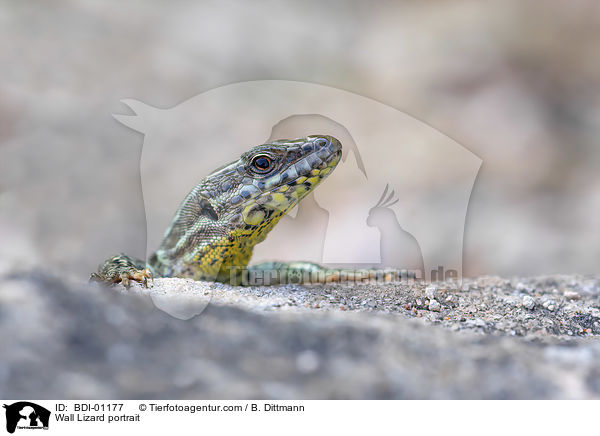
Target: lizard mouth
[[323, 157], [301, 177]]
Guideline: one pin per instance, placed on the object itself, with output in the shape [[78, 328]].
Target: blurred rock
[[68, 340]]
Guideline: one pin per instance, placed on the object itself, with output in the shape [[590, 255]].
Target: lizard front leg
[[122, 269]]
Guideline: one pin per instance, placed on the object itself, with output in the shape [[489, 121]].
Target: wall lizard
[[219, 222]]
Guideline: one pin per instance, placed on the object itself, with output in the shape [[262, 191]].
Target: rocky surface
[[484, 338]]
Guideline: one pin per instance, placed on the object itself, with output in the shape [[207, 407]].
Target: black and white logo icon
[[26, 415]]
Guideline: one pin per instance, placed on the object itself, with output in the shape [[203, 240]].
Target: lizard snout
[[329, 142]]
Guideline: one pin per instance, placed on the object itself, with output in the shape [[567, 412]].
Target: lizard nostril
[[321, 142]]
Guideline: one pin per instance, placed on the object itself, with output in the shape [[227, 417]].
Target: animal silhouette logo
[[399, 248], [430, 173], [26, 415]]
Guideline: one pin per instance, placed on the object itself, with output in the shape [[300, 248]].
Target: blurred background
[[515, 82]]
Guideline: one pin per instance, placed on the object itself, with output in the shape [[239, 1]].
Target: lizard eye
[[262, 163]]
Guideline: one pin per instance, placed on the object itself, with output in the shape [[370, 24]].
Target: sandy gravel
[[557, 306]]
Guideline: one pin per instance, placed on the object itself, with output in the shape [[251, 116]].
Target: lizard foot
[[122, 269]]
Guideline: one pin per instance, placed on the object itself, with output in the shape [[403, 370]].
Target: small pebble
[[571, 295], [528, 302], [434, 306]]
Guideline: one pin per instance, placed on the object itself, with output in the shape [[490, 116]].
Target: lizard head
[[270, 179], [233, 208]]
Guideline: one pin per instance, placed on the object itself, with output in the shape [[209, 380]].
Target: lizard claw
[[145, 274], [138, 275]]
